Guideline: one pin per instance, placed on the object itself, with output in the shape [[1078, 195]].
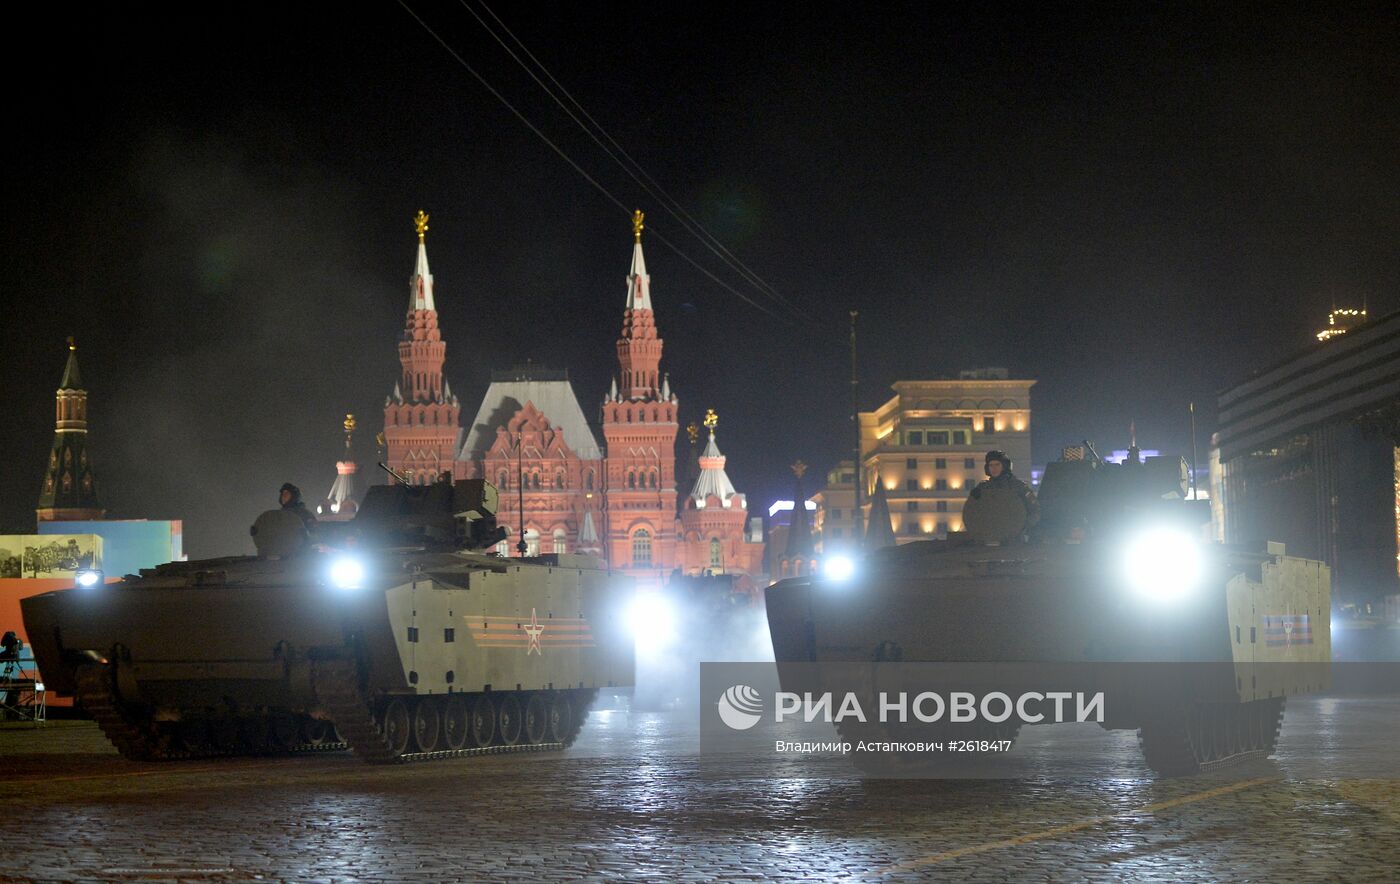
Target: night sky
[[1137, 207]]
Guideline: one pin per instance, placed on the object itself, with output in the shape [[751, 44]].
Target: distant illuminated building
[[928, 446], [712, 520], [834, 520], [340, 505], [1306, 453], [1340, 321]]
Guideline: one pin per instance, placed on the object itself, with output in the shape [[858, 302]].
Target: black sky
[[1136, 206]]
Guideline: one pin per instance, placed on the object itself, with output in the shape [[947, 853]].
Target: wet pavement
[[633, 801]]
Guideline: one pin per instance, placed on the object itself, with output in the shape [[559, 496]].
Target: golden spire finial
[[349, 424], [637, 217], [711, 419], [72, 345], [420, 223], [693, 431], [798, 469]]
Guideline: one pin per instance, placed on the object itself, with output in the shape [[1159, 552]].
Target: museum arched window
[[716, 553], [588, 481], [532, 542], [561, 543], [560, 480], [501, 479], [641, 547]]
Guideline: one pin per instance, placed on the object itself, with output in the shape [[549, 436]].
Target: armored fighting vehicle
[[393, 633], [1197, 644]]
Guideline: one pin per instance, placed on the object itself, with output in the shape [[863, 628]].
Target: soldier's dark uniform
[[1008, 480], [295, 505]]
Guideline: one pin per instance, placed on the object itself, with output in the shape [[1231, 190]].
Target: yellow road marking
[[1069, 828]]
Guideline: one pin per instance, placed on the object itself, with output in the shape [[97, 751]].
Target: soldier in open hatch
[[290, 498], [999, 475]]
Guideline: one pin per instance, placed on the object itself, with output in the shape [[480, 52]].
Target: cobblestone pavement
[[630, 801]]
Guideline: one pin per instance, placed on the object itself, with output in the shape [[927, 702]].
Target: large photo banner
[[60, 556]]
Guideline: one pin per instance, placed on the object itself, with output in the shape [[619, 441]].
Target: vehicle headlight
[[347, 572], [651, 619], [88, 577], [1163, 563], [839, 567]]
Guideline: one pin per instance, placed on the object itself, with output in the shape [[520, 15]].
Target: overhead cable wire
[[650, 185], [580, 170]]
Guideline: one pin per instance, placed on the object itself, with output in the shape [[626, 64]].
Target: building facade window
[[989, 425], [911, 463], [911, 484], [836, 514], [716, 553], [912, 506], [969, 463], [911, 528], [561, 541], [942, 527], [941, 484], [532, 542], [940, 463], [938, 438], [914, 437], [942, 506], [641, 547]]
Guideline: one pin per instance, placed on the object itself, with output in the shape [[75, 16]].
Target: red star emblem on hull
[[533, 631]]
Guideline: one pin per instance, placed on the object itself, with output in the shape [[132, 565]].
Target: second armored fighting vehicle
[[392, 633], [1196, 643]]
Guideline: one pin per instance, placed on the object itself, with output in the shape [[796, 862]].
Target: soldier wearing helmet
[[998, 469]]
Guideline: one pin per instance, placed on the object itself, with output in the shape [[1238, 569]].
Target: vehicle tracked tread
[[138, 738], [134, 737], [337, 684], [1167, 745]]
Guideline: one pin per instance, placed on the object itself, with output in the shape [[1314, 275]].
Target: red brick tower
[[639, 430], [421, 417], [69, 493]]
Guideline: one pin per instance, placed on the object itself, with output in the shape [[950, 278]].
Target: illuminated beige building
[[927, 446], [834, 520]]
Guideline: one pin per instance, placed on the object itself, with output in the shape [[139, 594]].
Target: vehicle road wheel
[[396, 726], [483, 721], [427, 724], [315, 731], [508, 719], [456, 723], [561, 718], [536, 718]]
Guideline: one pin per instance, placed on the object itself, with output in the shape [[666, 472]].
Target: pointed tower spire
[[879, 530], [799, 539], [420, 284], [340, 505], [421, 348], [638, 281], [588, 535], [639, 348], [69, 492], [712, 480]]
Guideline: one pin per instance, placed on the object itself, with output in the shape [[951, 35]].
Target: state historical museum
[[531, 439]]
